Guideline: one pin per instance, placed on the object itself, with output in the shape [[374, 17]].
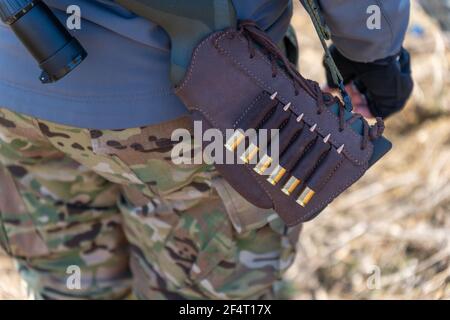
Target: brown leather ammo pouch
[[238, 79]]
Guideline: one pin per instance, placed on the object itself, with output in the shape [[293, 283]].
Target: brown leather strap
[[325, 170], [276, 120], [296, 150], [288, 133], [255, 115], [310, 160]]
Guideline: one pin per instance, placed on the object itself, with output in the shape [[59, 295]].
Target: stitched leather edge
[[266, 86]]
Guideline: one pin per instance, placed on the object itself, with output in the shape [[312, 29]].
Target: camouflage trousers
[[112, 204]]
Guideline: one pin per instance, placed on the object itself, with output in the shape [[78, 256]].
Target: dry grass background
[[389, 236], [395, 222]]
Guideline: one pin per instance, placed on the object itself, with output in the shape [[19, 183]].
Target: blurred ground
[[388, 237]]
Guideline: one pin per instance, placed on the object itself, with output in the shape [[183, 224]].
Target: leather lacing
[[253, 34]]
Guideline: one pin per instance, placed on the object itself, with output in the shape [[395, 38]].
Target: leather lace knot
[[254, 35]]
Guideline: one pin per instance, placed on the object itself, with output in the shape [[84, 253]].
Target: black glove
[[386, 83]]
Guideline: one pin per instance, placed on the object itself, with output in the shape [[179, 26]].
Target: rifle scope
[[45, 37]]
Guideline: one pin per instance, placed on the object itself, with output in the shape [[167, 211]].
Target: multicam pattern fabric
[[112, 203]]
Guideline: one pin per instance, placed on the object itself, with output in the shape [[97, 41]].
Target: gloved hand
[[386, 84], [359, 101]]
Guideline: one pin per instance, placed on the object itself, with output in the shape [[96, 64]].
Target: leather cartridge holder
[[238, 79]]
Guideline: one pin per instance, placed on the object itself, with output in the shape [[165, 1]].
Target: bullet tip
[[273, 96]]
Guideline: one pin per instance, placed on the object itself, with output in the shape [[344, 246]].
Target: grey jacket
[[349, 19]]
